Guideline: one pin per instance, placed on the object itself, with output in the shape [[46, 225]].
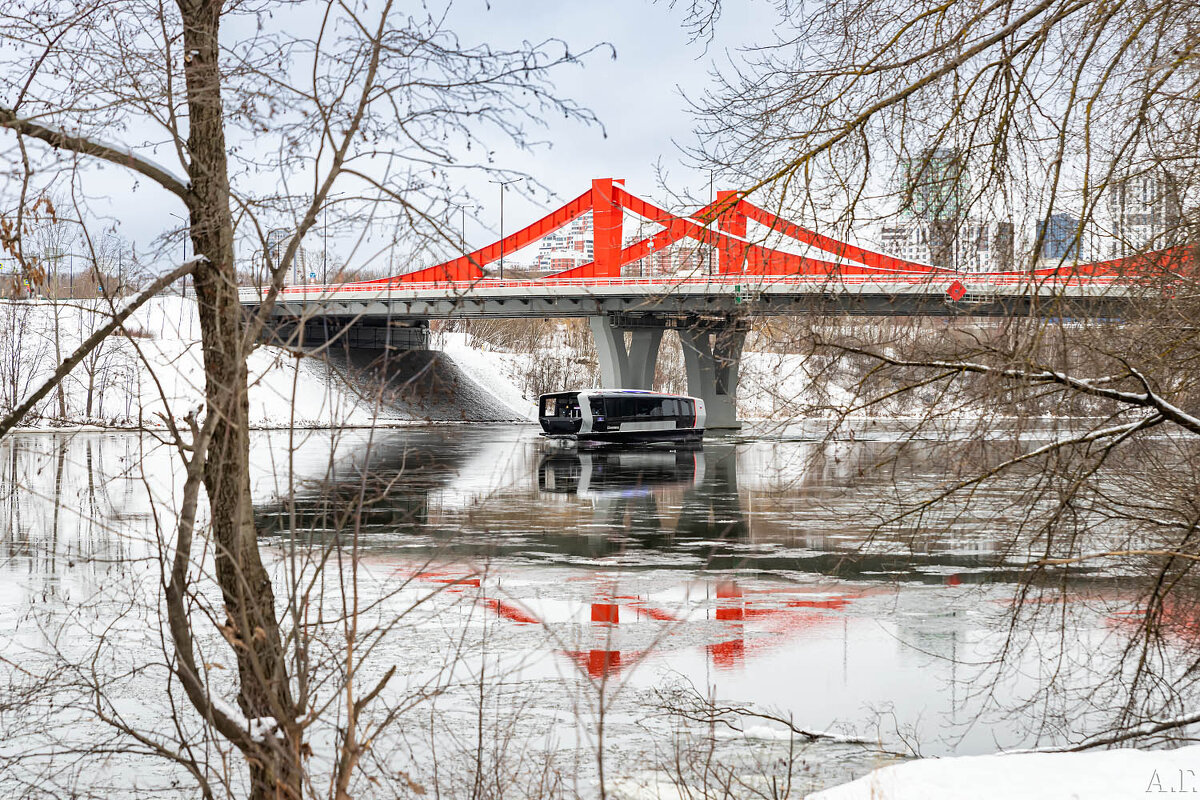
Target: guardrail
[[974, 284]]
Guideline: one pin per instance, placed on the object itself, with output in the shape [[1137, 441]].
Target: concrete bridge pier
[[625, 366], [712, 349], [711, 354]]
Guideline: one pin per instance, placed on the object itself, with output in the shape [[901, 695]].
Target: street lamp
[[463, 209], [325, 239], [502, 185], [182, 280]]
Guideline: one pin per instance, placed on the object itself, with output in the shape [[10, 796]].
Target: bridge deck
[[899, 295]]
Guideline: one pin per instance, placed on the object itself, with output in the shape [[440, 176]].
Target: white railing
[[977, 283]]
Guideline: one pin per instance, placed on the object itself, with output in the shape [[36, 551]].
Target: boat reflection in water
[[645, 499], [620, 473], [628, 489]]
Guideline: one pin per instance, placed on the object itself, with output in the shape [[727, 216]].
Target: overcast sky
[[639, 96]]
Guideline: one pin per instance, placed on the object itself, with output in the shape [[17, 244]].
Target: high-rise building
[[985, 247], [935, 193], [685, 256], [1059, 234], [1144, 213], [978, 246], [568, 247], [907, 239]]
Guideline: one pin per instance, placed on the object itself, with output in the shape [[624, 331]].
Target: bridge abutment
[[362, 333], [712, 349]]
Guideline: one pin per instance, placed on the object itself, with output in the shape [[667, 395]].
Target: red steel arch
[[723, 224]]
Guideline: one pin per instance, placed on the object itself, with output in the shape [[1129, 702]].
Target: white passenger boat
[[621, 416]]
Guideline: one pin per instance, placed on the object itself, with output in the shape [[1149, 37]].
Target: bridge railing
[[973, 283]]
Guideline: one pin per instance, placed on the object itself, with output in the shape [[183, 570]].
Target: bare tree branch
[[84, 145]]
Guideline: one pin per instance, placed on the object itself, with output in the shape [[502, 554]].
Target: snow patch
[[1104, 775]]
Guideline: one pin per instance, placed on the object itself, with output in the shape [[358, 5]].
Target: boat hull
[[631, 437]]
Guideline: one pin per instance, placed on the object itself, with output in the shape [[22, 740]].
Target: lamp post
[[325, 239], [463, 209], [502, 185], [183, 254]]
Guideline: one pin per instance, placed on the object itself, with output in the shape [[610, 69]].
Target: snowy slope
[[499, 373], [1105, 775], [159, 372]]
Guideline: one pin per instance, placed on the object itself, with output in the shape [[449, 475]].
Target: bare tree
[[381, 99], [863, 113]]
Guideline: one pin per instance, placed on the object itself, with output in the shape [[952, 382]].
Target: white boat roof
[[618, 391]]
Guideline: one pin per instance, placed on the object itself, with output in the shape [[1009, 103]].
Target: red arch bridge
[[709, 305]]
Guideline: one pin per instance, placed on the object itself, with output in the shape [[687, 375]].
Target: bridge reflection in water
[[771, 533], [484, 492]]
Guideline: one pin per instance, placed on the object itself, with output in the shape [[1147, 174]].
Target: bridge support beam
[[712, 349], [626, 366], [711, 354]]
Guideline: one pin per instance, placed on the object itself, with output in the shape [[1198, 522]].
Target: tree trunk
[[253, 628]]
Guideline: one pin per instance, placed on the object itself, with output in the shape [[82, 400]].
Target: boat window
[[687, 412], [620, 406], [630, 408], [563, 405]]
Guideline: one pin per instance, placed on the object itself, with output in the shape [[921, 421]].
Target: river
[[546, 607]]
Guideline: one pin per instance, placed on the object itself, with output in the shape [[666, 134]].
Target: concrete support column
[[711, 354], [643, 356], [622, 366], [611, 352]]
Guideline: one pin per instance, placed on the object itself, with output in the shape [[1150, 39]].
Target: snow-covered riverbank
[[134, 382], [1099, 775]]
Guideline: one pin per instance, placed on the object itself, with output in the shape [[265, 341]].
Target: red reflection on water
[[657, 614], [779, 611], [727, 655], [596, 663], [601, 663], [729, 602], [606, 612], [509, 611], [457, 579], [1178, 619]]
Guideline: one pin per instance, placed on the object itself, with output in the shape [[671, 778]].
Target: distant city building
[[307, 265], [907, 239], [935, 191], [986, 247], [976, 247], [569, 247], [682, 257], [1144, 213], [1059, 234]]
